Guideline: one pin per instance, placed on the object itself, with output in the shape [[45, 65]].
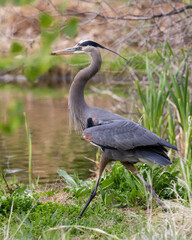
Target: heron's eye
[[79, 48]]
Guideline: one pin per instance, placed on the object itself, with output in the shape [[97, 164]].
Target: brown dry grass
[[59, 197], [100, 21], [173, 225]]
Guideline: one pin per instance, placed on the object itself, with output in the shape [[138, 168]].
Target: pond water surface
[[53, 145]]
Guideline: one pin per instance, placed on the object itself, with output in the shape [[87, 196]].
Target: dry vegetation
[[133, 26], [139, 24]]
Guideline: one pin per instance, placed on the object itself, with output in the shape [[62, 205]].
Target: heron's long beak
[[66, 51]]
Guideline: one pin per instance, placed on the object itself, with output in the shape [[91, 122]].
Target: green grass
[[167, 106], [23, 215], [29, 149], [153, 101], [121, 188], [167, 102]]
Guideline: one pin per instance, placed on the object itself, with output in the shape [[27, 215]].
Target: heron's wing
[[123, 135]]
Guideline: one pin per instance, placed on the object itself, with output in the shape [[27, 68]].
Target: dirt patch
[[61, 197]]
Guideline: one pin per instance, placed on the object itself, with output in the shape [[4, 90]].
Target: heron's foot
[[79, 217], [93, 194], [150, 189]]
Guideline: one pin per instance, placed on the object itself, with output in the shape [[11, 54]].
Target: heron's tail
[[154, 154]]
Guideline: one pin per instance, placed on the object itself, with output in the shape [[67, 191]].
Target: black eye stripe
[[89, 43], [94, 44]]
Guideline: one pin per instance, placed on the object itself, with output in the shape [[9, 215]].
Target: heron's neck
[[77, 104]]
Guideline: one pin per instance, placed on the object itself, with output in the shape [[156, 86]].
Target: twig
[[6, 182], [132, 17]]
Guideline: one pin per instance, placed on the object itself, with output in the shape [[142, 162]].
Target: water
[[53, 145]]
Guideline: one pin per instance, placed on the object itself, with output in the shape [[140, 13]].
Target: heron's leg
[[147, 185], [102, 165]]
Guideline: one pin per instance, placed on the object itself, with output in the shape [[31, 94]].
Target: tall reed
[[29, 149], [167, 110]]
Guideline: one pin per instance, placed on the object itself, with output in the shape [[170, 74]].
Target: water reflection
[[53, 146]]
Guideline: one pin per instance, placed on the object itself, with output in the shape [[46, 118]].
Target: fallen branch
[[132, 16]]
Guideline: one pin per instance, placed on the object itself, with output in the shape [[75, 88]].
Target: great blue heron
[[119, 138]]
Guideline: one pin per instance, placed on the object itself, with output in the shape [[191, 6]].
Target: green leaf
[[67, 177], [45, 20], [32, 72], [183, 52], [20, 191], [21, 2], [83, 191], [108, 198], [48, 38], [170, 49], [14, 116], [121, 199], [16, 48], [107, 183], [71, 28]]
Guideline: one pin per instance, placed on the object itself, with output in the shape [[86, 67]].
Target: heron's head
[[83, 47]]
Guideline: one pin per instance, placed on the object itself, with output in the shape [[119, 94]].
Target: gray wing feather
[[123, 135], [155, 157]]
